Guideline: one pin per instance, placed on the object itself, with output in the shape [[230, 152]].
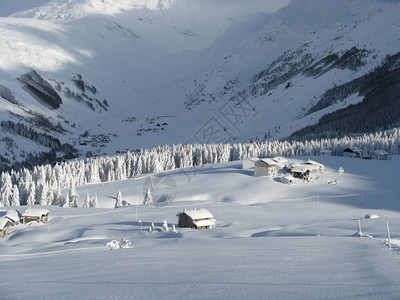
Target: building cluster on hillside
[[14, 217], [270, 166], [357, 152]]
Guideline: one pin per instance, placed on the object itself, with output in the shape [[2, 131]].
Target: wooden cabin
[[352, 152], [5, 223], [40, 215], [325, 152], [280, 161], [380, 155], [301, 172], [14, 216], [196, 219], [313, 165], [288, 179], [265, 167]]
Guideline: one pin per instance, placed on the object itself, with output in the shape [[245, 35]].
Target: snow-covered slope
[[271, 240], [132, 74]]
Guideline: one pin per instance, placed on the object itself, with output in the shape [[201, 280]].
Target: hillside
[[271, 240], [89, 78]]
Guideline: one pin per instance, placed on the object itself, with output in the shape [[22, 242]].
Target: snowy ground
[[271, 241]]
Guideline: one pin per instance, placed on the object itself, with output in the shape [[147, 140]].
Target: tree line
[[43, 184]]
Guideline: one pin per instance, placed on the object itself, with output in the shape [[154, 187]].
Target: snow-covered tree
[[118, 200], [87, 201], [95, 201], [148, 199], [340, 171], [15, 196], [66, 202], [73, 197], [5, 189], [165, 227]]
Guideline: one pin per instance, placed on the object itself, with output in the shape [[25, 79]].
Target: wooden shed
[[196, 219], [5, 223], [352, 152], [40, 215], [380, 155], [14, 216], [325, 152], [301, 172], [265, 167]]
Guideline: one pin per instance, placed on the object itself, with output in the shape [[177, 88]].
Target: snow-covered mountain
[[87, 77]]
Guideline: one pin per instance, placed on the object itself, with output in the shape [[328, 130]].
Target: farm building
[[14, 216], [380, 155], [40, 215], [313, 164], [352, 152], [325, 152], [281, 162], [265, 167], [249, 163], [302, 172], [196, 219], [287, 179], [5, 223]]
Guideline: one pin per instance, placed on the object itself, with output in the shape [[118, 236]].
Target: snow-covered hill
[[106, 76], [271, 240]]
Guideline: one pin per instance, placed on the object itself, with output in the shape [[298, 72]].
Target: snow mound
[[368, 216], [122, 244]]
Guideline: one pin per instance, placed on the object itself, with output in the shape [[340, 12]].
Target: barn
[[265, 167], [40, 215], [196, 219]]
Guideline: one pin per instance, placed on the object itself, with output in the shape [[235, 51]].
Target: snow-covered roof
[[326, 151], [202, 223], [201, 213], [252, 159], [313, 163], [280, 159], [13, 215], [3, 222], [300, 169], [381, 152], [268, 161], [353, 149], [35, 212]]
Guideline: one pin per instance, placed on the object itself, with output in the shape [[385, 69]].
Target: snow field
[[271, 241]]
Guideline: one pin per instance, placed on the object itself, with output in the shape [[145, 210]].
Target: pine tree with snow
[[31, 194], [66, 202], [73, 197], [87, 201], [15, 196], [118, 201], [165, 227], [148, 198], [95, 201], [5, 189]]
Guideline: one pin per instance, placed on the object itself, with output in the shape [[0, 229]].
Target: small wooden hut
[[196, 219], [40, 215]]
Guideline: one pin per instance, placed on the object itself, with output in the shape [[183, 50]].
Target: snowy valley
[[99, 77], [272, 127]]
